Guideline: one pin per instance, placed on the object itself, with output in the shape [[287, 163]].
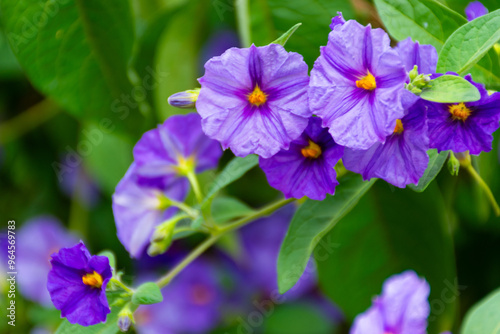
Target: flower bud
[[162, 237], [185, 100], [453, 165], [125, 319], [413, 73], [464, 158]]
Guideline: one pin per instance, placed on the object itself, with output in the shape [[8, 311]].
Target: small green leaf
[[109, 327], [466, 46], [146, 294], [225, 209], [484, 317], [284, 38], [450, 89], [310, 223], [111, 257], [436, 162]]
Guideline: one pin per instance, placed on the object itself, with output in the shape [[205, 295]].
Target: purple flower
[[254, 100], [138, 208], [307, 167], [356, 85], [474, 10], [413, 53], [403, 158], [191, 303], [401, 309], [461, 127], [37, 239], [174, 148], [337, 21], [77, 285]]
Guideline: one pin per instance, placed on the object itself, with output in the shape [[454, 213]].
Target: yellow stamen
[[257, 97], [185, 165], [94, 280], [313, 151], [399, 127], [459, 111], [367, 82]]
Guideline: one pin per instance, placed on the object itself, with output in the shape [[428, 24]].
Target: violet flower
[[474, 10]]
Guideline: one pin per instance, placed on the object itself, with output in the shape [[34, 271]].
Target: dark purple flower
[[175, 147], [37, 239], [474, 10], [254, 100], [461, 127], [139, 208], [356, 85], [307, 167], [403, 158], [413, 53], [191, 303], [77, 285], [402, 308]]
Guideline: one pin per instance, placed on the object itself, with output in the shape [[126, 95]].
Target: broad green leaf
[[466, 46], [436, 162], [235, 169], [225, 209], [389, 233], [109, 327], [450, 89], [310, 223], [484, 317], [146, 294], [284, 38], [77, 52], [271, 18]]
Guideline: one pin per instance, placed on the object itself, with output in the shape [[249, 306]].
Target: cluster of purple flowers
[[354, 106]]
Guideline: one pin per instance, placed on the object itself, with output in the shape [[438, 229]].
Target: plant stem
[[243, 21], [121, 285], [485, 187], [162, 282], [184, 207], [193, 180]]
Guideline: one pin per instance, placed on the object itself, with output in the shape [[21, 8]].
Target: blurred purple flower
[[77, 285], [356, 84], [464, 126], [77, 182], [401, 309], [37, 239], [474, 10], [413, 53], [192, 303], [217, 43], [307, 167], [174, 147], [139, 208], [254, 100]]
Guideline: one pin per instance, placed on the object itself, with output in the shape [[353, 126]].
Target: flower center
[[459, 111], [367, 82], [399, 127], [200, 294], [312, 151], [93, 279], [185, 165], [257, 97]]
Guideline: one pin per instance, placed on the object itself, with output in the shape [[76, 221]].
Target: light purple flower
[[307, 167], [356, 85], [37, 239], [175, 146], [402, 308], [139, 207], [413, 53], [77, 285], [466, 126], [403, 158], [474, 10], [254, 100], [337, 21]]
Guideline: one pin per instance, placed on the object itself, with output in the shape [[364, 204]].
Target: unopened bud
[[413, 73], [162, 238], [125, 319], [185, 100], [453, 165], [464, 158]]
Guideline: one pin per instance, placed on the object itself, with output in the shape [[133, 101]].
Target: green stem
[[243, 21], [121, 285], [193, 180], [485, 188], [184, 207], [219, 233]]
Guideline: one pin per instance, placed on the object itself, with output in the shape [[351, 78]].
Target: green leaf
[[225, 209], [389, 233], [466, 46], [450, 89], [146, 294], [284, 38], [77, 52], [436, 162], [111, 257], [484, 317], [109, 327], [235, 169], [310, 223]]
